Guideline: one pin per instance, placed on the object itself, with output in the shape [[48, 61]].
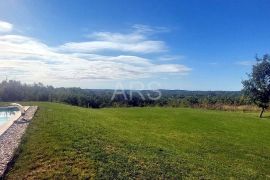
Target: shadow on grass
[[265, 117]]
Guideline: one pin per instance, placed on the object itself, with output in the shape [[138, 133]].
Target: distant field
[[146, 143]]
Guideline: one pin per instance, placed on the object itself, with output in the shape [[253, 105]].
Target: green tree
[[257, 87]]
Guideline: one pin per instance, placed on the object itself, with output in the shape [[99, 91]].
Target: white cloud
[[28, 59], [172, 68], [245, 63], [171, 57], [117, 37], [135, 42], [134, 47], [5, 27], [141, 28]]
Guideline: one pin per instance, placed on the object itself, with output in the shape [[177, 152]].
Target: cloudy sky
[[194, 45]]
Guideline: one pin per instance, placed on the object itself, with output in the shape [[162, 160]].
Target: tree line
[[12, 90]]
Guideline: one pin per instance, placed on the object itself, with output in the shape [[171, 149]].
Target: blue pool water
[[6, 114]]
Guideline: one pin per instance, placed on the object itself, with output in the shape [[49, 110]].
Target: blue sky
[[193, 45]]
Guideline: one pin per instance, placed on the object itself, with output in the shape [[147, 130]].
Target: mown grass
[[145, 143]]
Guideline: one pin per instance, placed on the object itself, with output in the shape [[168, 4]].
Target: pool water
[[6, 114]]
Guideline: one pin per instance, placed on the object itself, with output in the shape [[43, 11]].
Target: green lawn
[[145, 143]]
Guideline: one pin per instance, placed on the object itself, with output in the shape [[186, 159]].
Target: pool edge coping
[[4, 127]]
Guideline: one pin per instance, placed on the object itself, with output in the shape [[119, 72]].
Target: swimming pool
[[7, 114]]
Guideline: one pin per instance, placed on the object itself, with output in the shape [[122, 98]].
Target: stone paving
[[10, 140]]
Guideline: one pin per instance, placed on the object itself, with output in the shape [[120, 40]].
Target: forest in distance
[[99, 98]]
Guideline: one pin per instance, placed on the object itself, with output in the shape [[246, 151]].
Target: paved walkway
[[10, 140]]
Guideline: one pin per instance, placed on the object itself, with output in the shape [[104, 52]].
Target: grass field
[[146, 143]]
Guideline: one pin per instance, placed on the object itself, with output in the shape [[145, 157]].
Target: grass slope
[[145, 143]]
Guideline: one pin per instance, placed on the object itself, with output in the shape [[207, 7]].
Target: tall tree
[[257, 87]]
